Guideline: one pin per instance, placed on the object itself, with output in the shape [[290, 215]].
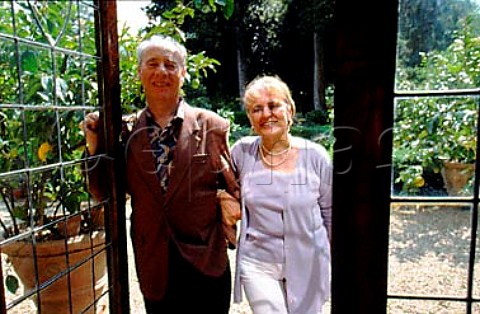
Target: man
[[176, 159]]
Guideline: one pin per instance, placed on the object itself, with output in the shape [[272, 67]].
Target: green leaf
[[228, 8], [29, 62], [198, 3], [12, 283], [168, 15]]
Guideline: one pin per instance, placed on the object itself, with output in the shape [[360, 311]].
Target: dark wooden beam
[[364, 86], [112, 113]]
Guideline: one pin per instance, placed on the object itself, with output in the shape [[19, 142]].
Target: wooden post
[[109, 92], [364, 90]]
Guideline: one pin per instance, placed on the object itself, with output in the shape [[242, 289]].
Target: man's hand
[[89, 126]]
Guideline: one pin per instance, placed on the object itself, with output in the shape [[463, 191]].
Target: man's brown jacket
[[187, 213]]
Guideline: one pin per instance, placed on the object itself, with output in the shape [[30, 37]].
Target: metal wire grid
[[80, 14]]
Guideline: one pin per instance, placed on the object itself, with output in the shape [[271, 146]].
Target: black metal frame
[[473, 200], [364, 97]]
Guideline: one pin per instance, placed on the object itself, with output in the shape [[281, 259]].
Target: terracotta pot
[[456, 176], [98, 218], [70, 227], [51, 261], [97, 215]]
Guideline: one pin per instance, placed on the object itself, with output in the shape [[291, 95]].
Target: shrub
[[429, 130]]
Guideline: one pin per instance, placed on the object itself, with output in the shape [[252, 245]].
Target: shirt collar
[[178, 116], [180, 110]]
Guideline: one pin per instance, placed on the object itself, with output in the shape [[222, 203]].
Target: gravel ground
[[429, 255]]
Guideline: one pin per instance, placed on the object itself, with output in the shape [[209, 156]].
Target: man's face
[[161, 72]]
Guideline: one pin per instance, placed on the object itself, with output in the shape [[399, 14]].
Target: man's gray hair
[[162, 41]]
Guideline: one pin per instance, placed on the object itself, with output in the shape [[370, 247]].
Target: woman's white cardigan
[[308, 229]]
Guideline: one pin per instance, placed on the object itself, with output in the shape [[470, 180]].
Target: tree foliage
[[429, 25], [261, 37]]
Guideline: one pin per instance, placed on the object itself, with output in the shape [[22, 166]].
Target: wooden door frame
[[364, 88], [109, 93]]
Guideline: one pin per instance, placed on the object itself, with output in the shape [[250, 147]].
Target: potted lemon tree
[[48, 224], [48, 205]]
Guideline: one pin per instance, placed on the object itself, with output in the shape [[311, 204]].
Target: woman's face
[[270, 115], [161, 72]]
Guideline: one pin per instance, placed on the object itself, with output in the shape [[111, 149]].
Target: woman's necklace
[[269, 152], [278, 163]]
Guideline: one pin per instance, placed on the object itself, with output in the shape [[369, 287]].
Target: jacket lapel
[[187, 144], [142, 151]]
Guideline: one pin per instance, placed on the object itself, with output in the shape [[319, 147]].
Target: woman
[[283, 257]]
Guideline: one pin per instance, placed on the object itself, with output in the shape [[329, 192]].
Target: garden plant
[[431, 130]]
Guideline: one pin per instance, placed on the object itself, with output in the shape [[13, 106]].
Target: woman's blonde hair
[[272, 84]]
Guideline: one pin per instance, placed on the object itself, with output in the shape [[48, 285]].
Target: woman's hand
[[230, 208], [231, 213]]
